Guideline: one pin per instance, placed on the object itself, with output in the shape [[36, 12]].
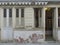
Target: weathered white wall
[[29, 21], [29, 17], [25, 35]]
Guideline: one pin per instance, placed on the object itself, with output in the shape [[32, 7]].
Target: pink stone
[[34, 37], [40, 36]]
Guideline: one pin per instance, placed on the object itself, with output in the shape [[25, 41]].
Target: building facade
[[29, 20]]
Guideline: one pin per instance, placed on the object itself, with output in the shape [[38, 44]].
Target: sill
[[19, 27], [22, 28]]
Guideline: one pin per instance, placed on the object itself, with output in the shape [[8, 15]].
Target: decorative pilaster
[[7, 17], [39, 17], [43, 21], [13, 17], [20, 17], [2, 18], [43, 17], [56, 16]]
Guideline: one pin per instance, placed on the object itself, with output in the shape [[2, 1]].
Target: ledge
[[32, 29]]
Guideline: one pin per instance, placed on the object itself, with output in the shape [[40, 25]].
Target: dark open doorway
[[36, 17], [49, 23]]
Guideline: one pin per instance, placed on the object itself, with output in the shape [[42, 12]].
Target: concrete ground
[[44, 43]]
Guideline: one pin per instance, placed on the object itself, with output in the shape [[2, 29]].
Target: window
[[17, 12], [10, 12], [58, 17], [22, 12], [4, 12], [19, 17]]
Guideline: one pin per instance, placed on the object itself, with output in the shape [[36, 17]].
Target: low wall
[[29, 36]]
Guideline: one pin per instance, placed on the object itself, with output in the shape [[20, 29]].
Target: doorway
[[37, 17], [49, 24]]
